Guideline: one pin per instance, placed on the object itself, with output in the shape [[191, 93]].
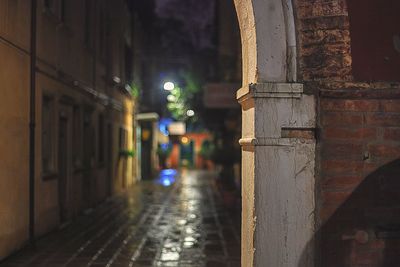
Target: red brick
[[325, 23], [350, 105], [333, 70], [391, 106], [325, 36], [335, 198], [329, 50], [342, 166], [342, 182], [342, 119], [321, 9], [392, 134], [370, 167], [345, 133], [376, 244], [327, 211], [366, 258], [383, 119], [385, 151], [342, 151]]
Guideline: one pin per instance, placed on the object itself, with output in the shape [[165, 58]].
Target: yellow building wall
[[68, 73], [14, 148], [14, 124]]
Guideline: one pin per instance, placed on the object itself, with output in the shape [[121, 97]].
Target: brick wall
[[359, 175], [358, 136], [324, 40]]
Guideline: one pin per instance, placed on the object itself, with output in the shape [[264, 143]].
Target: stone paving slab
[[183, 225]]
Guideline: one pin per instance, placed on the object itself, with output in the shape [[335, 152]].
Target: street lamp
[[190, 113], [169, 86]]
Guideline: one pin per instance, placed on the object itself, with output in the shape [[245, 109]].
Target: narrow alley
[[183, 224], [254, 133]]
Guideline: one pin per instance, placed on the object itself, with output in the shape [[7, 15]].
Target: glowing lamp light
[[190, 113], [169, 86], [185, 140], [171, 98]]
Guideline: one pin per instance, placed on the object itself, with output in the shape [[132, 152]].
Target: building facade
[[69, 71], [320, 143], [320, 136]]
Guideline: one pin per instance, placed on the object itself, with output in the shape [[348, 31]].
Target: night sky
[[187, 21]]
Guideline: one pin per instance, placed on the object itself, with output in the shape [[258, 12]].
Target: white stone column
[[278, 158]]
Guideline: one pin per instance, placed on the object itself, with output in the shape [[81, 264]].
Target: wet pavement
[[169, 223]]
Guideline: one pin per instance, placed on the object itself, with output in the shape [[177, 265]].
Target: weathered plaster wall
[[14, 22], [278, 141], [244, 9], [249, 218], [67, 73], [268, 40], [284, 225], [14, 119], [278, 175], [14, 144]]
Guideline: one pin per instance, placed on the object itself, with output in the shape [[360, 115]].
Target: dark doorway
[[186, 154], [146, 148]]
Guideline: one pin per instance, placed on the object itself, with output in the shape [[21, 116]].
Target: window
[[48, 124]]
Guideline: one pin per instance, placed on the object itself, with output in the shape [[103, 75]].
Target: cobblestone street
[[155, 224]]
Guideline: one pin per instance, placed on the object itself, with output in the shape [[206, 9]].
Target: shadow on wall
[[365, 229]]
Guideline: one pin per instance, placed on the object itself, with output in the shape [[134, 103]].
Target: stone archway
[[278, 143], [268, 40]]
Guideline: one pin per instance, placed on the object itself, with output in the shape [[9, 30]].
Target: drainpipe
[[32, 124]]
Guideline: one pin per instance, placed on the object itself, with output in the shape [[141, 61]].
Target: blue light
[[165, 146], [167, 177], [168, 172], [166, 181], [163, 125]]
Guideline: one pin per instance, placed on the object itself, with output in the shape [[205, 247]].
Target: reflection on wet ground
[[168, 223], [167, 177]]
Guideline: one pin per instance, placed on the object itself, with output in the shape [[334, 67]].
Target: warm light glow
[[169, 86], [184, 140], [190, 113], [171, 98]]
